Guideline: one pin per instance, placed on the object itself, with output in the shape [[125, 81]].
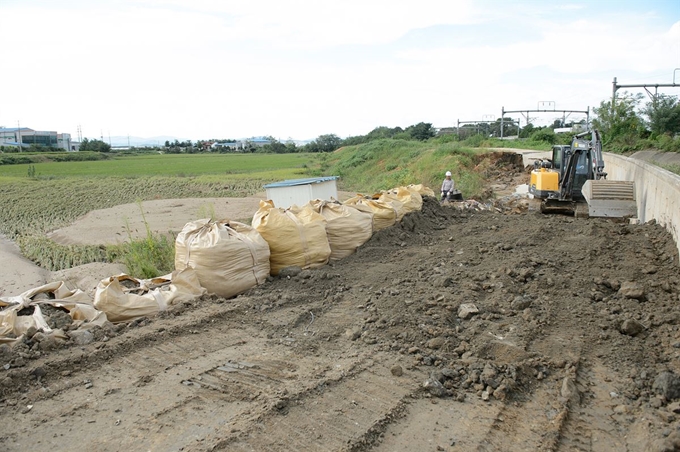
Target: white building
[[26, 137], [301, 191], [232, 146]]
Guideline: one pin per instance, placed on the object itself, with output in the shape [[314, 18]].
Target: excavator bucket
[[610, 198]]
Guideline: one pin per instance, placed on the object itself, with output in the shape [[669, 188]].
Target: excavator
[[574, 182]]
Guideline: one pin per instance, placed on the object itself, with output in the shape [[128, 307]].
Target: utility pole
[[19, 134], [656, 86]]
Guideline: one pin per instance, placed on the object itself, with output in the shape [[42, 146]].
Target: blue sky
[[301, 68]]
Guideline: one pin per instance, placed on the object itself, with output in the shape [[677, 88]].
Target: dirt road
[[575, 325]]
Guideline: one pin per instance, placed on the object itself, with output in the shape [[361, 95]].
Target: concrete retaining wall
[[657, 190]]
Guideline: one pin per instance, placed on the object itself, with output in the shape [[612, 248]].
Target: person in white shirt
[[447, 185]]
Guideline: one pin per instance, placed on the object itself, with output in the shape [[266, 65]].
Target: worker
[[447, 185]]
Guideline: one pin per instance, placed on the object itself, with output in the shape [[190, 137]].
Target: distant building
[[259, 141], [233, 146], [26, 137], [242, 145]]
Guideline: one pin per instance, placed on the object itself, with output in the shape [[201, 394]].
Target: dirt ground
[[116, 224], [455, 330]]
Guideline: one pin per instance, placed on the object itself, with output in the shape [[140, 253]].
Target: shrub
[[546, 135]]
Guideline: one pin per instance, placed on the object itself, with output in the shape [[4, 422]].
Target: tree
[[620, 120], [509, 127], [382, 132], [328, 143], [422, 131], [275, 146], [663, 115], [94, 145], [527, 131]]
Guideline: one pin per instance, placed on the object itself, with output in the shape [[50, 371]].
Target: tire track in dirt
[[591, 424], [187, 388], [334, 416]]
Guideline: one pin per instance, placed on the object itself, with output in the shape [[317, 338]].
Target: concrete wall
[[657, 190]]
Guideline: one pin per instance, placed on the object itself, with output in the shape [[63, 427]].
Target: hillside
[[388, 163]]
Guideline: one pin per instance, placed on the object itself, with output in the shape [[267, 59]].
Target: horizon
[[210, 68]]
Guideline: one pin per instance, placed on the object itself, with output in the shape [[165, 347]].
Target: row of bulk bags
[[296, 236], [229, 257], [347, 227], [124, 298]]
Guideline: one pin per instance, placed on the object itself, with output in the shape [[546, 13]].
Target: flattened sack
[[347, 227], [229, 257], [125, 298], [296, 236], [76, 302]]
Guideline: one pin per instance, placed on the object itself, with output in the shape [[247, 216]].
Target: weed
[[148, 257], [207, 211]]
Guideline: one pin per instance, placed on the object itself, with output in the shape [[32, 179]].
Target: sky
[[201, 69]]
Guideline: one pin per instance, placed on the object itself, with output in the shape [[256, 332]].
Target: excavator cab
[[558, 155]]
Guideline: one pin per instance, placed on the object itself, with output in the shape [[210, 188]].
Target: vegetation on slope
[[386, 163]]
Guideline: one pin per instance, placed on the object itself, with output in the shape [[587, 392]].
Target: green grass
[[673, 168], [145, 258], [61, 192], [183, 165], [383, 164]]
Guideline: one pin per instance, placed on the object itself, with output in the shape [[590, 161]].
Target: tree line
[[627, 124]]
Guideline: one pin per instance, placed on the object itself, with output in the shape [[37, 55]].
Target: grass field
[[60, 192], [266, 166]]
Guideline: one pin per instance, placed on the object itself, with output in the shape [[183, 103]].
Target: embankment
[[657, 190]]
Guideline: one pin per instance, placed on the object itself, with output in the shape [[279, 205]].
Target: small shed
[[301, 191]]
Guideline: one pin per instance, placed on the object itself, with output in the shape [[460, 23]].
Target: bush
[[546, 135], [668, 143], [474, 141]]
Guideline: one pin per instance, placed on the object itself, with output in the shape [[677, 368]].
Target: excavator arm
[[567, 182]]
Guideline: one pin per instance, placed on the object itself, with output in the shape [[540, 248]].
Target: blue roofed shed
[[301, 191]]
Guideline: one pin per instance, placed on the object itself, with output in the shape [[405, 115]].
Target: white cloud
[[210, 68], [315, 24]]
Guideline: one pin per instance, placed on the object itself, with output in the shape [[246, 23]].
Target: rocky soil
[[455, 330]]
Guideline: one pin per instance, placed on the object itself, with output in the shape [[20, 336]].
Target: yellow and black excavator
[[574, 182]]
